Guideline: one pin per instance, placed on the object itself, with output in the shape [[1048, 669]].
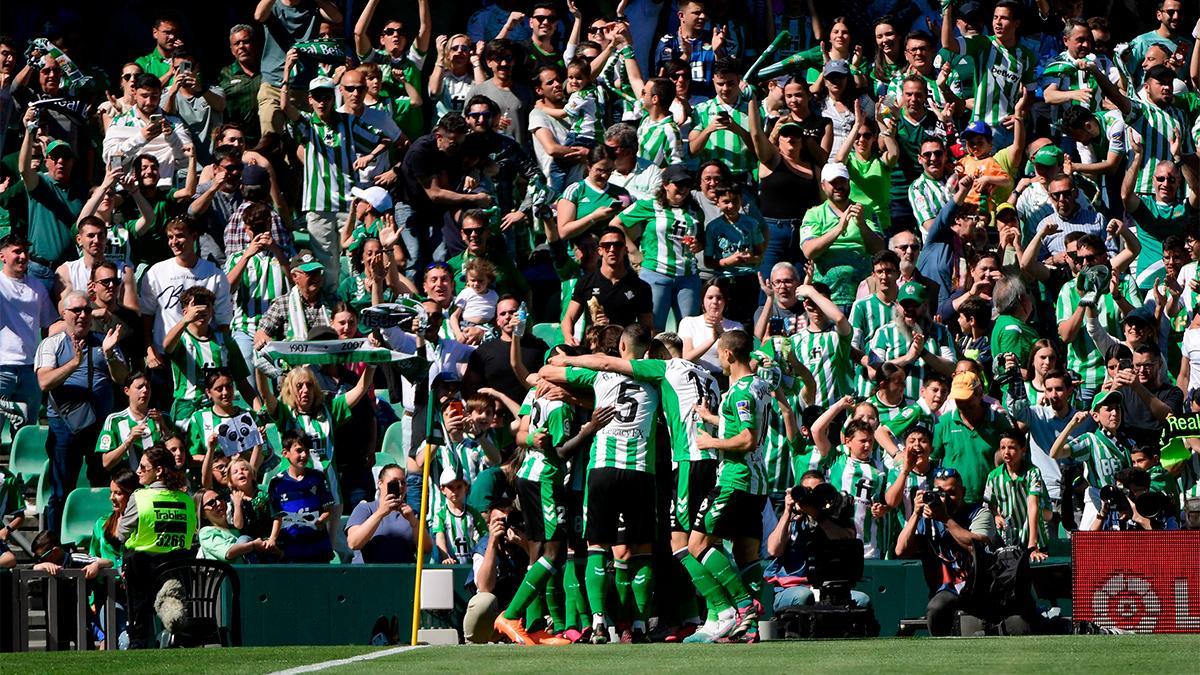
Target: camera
[[824, 497], [935, 497], [1007, 375], [1114, 498]]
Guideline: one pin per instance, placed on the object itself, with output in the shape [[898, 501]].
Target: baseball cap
[[1005, 208], [1160, 73], [61, 147], [305, 261], [964, 386], [834, 170], [255, 175], [977, 128], [1143, 315], [836, 67], [321, 83], [970, 10], [377, 197], [790, 129], [1048, 155], [449, 475], [677, 173], [1113, 398], [912, 290]]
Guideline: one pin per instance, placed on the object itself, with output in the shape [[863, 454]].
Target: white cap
[[377, 197], [834, 170], [321, 82], [448, 476]]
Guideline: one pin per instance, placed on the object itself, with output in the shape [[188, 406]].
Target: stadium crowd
[[940, 257]]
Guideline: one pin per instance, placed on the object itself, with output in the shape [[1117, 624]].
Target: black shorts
[[693, 481], [619, 507], [544, 505], [731, 514]]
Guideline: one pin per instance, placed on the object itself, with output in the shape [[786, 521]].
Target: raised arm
[[766, 151], [1129, 197], [364, 386], [262, 11], [949, 42], [820, 428], [362, 38]]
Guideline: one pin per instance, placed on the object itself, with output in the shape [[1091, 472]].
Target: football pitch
[[1068, 654]]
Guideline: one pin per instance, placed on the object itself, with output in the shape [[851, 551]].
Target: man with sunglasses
[[1158, 215], [503, 87], [399, 61], [613, 294], [477, 238], [541, 49], [1070, 216], [1170, 33], [76, 369], [930, 191]]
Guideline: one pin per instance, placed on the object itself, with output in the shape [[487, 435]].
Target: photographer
[[1132, 505], [498, 565], [943, 535], [789, 544], [385, 530]]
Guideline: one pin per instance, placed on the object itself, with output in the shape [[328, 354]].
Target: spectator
[[28, 311], [146, 129], [52, 199], [838, 238], [200, 105], [966, 438], [385, 529], [700, 333], [491, 365], [457, 67], [219, 540], [611, 294], [514, 99], [241, 81], [285, 22], [301, 503]]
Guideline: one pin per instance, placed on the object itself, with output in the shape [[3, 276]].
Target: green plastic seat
[[82, 508], [393, 443], [383, 459], [548, 333], [43, 490], [28, 452]]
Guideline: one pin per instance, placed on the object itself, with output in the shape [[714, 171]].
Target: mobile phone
[[775, 326], [1125, 364], [156, 118], [393, 489], [456, 405], [185, 66], [115, 161]]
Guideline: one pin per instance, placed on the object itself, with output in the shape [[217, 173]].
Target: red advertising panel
[[1146, 582]]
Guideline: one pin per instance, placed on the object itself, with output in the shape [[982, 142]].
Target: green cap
[[1112, 398], [305, 261], [60, 146], [912, 290], [1048, 155]]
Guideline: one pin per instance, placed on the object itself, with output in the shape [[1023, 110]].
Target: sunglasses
[[438, 265], [945, 472], [907, 247], [107, 283], [1165, 179], [1062, 194], [480, 115], [611, 245], [471, 231], [78, 310], [354, 89], [595, 30], [392, 31], [128, 76], [933, 155], [321, 96], [542, 18], [465, 49], [501, 59], [678, 76], [212, 503]]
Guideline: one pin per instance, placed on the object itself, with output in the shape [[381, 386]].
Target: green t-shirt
[[845, 263], [318, 427], [1155, 222], [53, 208], [871, 186], [1010, 334], [587, 198], [555, 418], [970, 451], [193, 356]]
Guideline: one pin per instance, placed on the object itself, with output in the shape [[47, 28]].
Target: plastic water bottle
[[522, 320]]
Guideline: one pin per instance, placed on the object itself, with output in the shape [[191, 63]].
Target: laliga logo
[[1127, 602]]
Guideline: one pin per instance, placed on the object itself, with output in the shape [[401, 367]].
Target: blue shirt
[[57, 350], [723, 238], [701, 60], [300, 503], [939, 257], [393, 542]]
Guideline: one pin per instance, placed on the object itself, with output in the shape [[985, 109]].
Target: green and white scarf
[[297, 325], [72, 77], [357, 350]]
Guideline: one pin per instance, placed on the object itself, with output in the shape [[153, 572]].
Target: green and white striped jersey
[[936, 98], [999, 74], [1068, 78], [867, 316], [744, 407], [663, 230], [329, 154], [888, 413], [827, 354], [466, 458], [1156, 126], [1102, 457], [555, 418], [118, 426], [865, 483], [318, 426], [1008, 495], [1082, 355], [461, 531], [913, 482], [614, 77], [202, 424], [681, 385], [660, 142], [627, 442], [263, 280], [926, 197], [890, 343], [778, 452], [194, 355], [588, 198], [725, 146]]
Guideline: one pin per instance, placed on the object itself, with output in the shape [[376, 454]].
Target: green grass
[[1078, 654]]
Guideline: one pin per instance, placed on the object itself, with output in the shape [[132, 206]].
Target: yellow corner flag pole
[[416, 613]]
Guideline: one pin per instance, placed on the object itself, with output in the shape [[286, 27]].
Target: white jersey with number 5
[[627, 442]]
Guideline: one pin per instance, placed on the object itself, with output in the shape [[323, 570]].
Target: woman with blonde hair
[[303, 407], [457, 67]]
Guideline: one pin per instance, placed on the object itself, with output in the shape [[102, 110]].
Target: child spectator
[[194, 347], [734, 244], [1017, 497], [219, 540], [1103, 452], [583, 111], [257, 276], [301, 503], [455, 529], [476, 304]]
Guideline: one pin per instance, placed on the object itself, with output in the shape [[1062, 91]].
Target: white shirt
[[642, 183], [158, 294], [538, 119], [477, 308], [695, 328], [124, 138], [24, 310], [1191, 350]]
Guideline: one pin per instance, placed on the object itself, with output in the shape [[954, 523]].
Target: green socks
[[555, 599], [595, 581], [714, 596], [718, 565], [571, 594], [531, 588], [643, 585], [752, 579], [624, 582]]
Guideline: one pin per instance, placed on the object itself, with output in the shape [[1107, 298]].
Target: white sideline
[[313, 667]]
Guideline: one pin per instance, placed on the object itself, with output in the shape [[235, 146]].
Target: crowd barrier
[[1146, 582]]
